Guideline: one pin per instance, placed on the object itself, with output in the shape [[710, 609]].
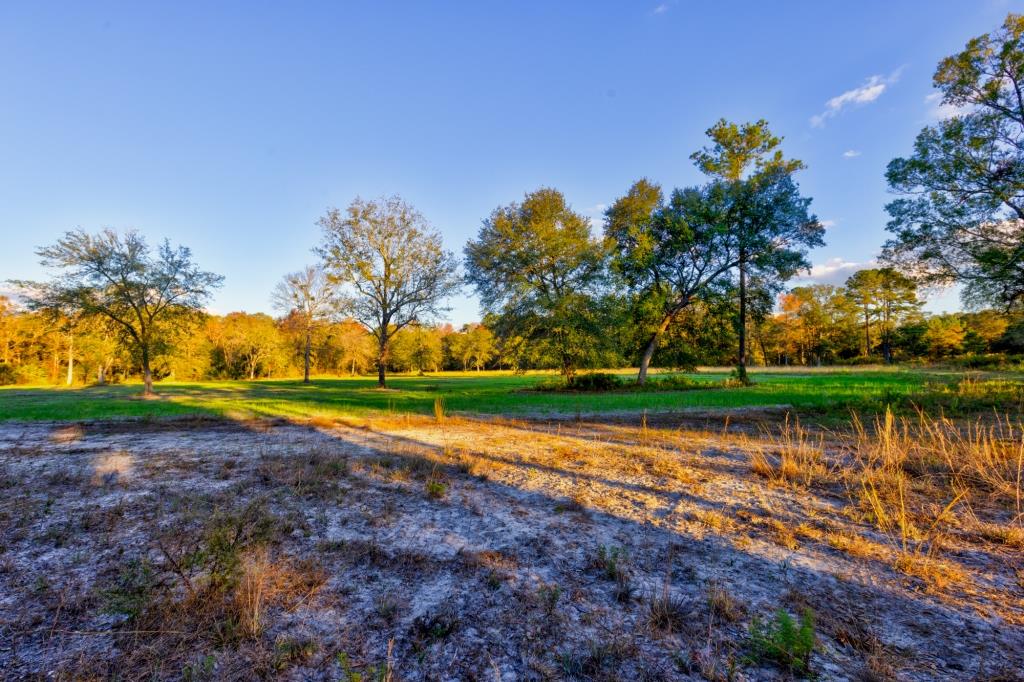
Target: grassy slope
[[487, 392]]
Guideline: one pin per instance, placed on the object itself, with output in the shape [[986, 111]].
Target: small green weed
[[783, 641]]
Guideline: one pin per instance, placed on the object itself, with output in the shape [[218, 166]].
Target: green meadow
[[828, 392]]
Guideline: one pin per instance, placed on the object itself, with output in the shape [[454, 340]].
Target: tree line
[[672, 278], [36, 348]]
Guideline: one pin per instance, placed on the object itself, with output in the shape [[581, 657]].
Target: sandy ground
[[469, 550]]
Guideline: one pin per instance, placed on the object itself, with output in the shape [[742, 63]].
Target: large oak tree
[[668, 253], [115, 276], [390, 265], [537, 268], [961, 216]]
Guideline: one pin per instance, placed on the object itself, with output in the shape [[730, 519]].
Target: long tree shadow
[[525, 510], [846, 603]]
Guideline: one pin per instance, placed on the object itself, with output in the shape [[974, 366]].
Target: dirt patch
[[502, 549]]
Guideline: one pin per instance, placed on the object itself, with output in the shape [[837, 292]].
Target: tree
[[307, 293], [8, 330], [247, 345], [116, 277], [417, 348], [961, 217], [479, 345], [355, 346], [897, 297], [944, 335], [984, 329], [392, 262], [98, 348], [886, 295], [536, 267], [668, 254], [748, 158], [862, 288]]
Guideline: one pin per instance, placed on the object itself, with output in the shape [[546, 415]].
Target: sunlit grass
[[813, 390]]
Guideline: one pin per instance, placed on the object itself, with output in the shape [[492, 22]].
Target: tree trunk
[[741, 366], [147, 374], [305, 358], [101, 375], [381, 352], [867, 332], [652, 345], [886, 338], [71, 359]]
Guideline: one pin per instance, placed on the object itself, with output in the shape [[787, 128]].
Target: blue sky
[[230, 127]]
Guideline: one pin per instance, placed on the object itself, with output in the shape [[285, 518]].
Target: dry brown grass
[[1002, 534], [903, 502], [915, 478], [934, 571], [715, 520], [791, 455], [855, 545], [723, 604], [265, 583]]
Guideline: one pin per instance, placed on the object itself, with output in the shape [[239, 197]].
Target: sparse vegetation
[[673, 445], [784, 641], [291, 520]]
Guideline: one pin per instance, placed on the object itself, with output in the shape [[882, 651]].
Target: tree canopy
[[768, 218], [536, 266], [668, 253], [390, 264], [961, 213], [115, 276]]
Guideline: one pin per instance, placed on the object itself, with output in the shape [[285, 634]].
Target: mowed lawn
[[813, 390]]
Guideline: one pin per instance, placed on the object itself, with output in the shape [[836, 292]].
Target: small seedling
[[436, 488], [783, 641]]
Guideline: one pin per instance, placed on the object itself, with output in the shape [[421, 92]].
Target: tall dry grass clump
[[265, 584], [793, 454], [913, 476]]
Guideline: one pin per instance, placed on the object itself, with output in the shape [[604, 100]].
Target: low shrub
[[599, 382], [674, 382], [595, 381], [783, 641], [986, 361]]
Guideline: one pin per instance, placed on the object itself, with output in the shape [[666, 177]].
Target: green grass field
[[826, 392]]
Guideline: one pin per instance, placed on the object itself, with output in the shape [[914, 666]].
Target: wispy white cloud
[[851, 153], [871, 90], [828, 224], [937, 109], [834, 271], [661, 9]]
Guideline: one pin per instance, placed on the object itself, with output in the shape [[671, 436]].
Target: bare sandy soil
[[405, 549]]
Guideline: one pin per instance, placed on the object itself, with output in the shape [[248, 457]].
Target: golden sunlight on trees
[[390, 264], [416, 349], [308, 294], [536, 267], [114, 276]]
